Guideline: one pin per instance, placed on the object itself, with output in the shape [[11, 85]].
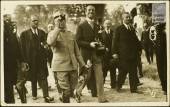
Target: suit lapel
[[89, 27]]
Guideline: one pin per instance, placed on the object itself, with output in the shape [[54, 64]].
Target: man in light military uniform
[[66, 56]]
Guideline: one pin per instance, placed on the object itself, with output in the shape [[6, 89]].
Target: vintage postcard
[[85, 53]]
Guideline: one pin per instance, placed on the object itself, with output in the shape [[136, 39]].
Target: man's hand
[[25, 66], [93, 44], [115, 56], [107, 49]]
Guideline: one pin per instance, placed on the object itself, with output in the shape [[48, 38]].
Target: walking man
[[126, 48], [33, 43], [108, 64], [86, 35], [66, 56]]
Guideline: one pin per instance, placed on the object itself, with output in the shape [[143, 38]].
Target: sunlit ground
[[151, 89]]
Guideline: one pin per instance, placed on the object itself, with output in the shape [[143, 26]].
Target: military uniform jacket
[[66, 55]]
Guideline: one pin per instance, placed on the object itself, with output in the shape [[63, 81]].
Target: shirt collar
[[35, 31], [107, 30], [90, 21], [125, 25]]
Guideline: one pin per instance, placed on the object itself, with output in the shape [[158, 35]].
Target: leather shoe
[[135, 91], [94, 95], [139, 84], [34, 98], [77, 97], [104, 101], [113, 87], [140, 76], [118, 89], [165, 93], [48, 99]]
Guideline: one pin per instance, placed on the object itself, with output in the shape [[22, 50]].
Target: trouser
[[131, 68], [21, 89], [149, 53], [44, 86], [96, 81], [107, 66], [56, 82], [83, 79], [139, 66], [20, 86], [9, 92], [67, 81], [162, 69]]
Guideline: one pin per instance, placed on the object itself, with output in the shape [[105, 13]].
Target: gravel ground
[[151, 91]]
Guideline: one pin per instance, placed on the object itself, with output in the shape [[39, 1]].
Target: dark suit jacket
[[85, 35], [12, 55], [126, 44], [145, 39], [34, 53], [108, 39]]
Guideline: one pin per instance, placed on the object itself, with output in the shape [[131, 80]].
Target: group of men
[[89, 54]]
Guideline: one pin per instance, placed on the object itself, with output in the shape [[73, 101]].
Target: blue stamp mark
[[158, 12]]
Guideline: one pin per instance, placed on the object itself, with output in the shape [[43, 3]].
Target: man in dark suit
[[87, 33], [126, 48], [12, 58], [33, 44], [161, 55], [108, 64], [147, 43]]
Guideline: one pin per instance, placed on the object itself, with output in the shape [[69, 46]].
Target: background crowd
[[82, 56]]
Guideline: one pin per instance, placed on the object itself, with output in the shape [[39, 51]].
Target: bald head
[[34, 21], [7, 18], [126, 17], [34, 18], [90, 11], [107, 24]]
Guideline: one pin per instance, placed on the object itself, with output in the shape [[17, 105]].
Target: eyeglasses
[[62, 17]]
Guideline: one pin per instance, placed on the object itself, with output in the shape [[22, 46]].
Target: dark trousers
[[108, 66], [92, 84], [162, 69], [125, 68], [149, 53], [139, 66], [20, 85], [44, 86], [9, 93]]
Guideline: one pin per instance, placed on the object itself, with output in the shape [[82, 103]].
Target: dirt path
[[151, 93], [151, 89]]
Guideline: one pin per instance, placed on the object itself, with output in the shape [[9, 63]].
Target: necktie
[[91, 24], [35, 33], [128, 26], [108, 31]]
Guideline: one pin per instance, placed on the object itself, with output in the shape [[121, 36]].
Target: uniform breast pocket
[[70, 44], [60, 44]]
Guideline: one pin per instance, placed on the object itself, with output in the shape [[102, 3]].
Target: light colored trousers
[[67, 81], [99, 81]]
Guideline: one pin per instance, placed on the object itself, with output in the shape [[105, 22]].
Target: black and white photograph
[[85, 53]]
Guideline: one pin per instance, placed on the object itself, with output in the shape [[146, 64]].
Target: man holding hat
[[33, 44]]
